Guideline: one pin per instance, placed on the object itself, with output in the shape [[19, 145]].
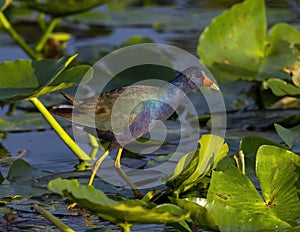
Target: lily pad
[[282, 88], [289, 136], [281, 50], [62, 7], [24, 79], [198, 212], [236, 46], [295, 71], [193, 167], [237, 205], [249, 146], [123, 212], [238, 32]]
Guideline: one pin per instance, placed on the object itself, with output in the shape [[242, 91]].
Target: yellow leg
[[97, 166], [94, 172], [136, 192], [118, 158]]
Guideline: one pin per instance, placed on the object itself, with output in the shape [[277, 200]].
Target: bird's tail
[[65, 111]]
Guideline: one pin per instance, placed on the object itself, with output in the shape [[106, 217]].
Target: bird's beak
[[209, 83]]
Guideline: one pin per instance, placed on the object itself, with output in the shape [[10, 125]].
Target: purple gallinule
[[153, 104]]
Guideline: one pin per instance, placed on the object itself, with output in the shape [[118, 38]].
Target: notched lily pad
[[242, 29], [23, 79], [128, 212], [237, 205], [236, 45]]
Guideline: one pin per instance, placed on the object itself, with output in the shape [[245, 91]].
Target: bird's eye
[[198, 75]]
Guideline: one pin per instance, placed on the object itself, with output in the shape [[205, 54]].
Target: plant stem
[[59, 130], [93, 141], [7, 26], [58, 223], [39, 46], [125, 227], [95, 146]]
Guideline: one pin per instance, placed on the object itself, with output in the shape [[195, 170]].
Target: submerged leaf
[[119, 212], [21, 171], [23, 122]]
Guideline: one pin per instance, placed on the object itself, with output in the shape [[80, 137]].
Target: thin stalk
[[58, 223], [94, 152], [93, 141], [95, 146], [8, 27], [39, 46], [242, 159], [59, 130], [136, 192], [125, 227]]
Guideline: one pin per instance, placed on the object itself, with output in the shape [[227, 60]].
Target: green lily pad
[[237, 205], [62, 7], [249, 146], [123, 212], [281, 50], [282, 88], [278, 171], [236, 45], [193, 167], [198, 212], [289, 136], [295, 71], [24, 79], [238, 32]]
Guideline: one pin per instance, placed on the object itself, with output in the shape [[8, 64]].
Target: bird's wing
[[120, 106]]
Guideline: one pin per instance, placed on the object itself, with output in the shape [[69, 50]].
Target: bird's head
[[197, 78]]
